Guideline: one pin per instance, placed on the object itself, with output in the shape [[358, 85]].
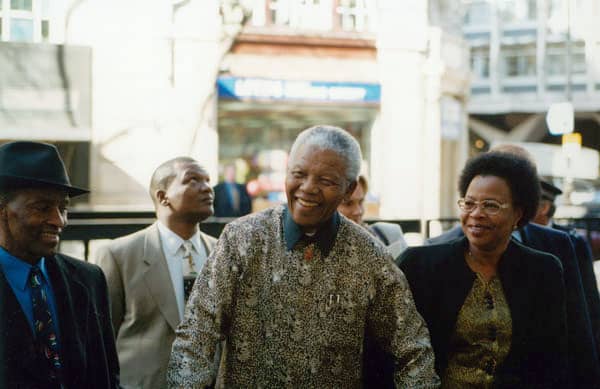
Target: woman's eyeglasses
[[489, 207]]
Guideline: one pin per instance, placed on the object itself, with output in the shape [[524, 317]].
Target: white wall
[[152, 71]]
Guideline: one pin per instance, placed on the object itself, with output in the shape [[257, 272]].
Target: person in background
[[55, 310], [495, 308], [390, 234], [150, 272], [231, 199], [583, 253], [292, 291]]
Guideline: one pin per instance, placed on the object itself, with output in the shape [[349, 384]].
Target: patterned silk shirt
[[291, 319]]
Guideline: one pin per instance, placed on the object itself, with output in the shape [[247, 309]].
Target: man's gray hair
[[324, 137]]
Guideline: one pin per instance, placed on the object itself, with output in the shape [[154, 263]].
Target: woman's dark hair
[[519, 173]]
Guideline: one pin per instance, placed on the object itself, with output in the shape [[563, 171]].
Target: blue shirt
[[16, 272]]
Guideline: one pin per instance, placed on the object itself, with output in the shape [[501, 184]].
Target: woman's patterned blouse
[[482, 337], [286, 319]]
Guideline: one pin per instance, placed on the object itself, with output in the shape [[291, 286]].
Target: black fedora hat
[[32, 164]]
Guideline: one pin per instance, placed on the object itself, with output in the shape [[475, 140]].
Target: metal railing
[[89, 226]]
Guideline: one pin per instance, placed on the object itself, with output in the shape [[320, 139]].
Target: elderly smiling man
[[293, 290]]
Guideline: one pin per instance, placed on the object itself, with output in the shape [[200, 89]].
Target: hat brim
[[16, 182]]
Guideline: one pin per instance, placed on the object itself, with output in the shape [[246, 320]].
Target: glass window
[[519, 61], [480, 63], [556, 60], [353, 15], [45, 30], [478, 13], [302, 14], [512, 11], [21, 30], [21, 5]]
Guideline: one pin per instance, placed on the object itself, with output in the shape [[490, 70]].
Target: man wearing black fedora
[[55, 323]]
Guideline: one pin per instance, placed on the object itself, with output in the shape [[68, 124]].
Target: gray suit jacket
[[143, 305]]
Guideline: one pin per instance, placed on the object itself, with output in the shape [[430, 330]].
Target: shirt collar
[[518, 235], [18, 270], [172, 242], [324, 237]]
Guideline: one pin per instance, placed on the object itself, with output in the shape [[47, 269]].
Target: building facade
[[227, 81], [526, 55]]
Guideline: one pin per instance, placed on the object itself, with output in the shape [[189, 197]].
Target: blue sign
[[309, 91]]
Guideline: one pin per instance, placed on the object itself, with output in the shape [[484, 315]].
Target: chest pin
[[308, 253]]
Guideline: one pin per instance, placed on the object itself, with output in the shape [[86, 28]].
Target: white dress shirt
[[172, 245]]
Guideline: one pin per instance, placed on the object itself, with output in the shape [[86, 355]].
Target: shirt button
[[489, 301], [493, 333]]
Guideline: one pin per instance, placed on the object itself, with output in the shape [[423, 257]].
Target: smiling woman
[[503, 317]]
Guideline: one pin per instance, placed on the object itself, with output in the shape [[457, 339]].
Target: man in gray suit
[[149, 272]]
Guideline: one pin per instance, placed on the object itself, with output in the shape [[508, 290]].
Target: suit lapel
[[515, 287], [208, 245], [158, 279], [72, 305]]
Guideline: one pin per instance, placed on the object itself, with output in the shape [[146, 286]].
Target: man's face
[[190, 196], [354, 208], [31, 222], [541, 216], [315, 185]]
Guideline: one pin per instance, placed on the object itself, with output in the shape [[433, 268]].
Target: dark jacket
[[584, 369], [588, 279], [86, 335], [534, 288], [223, 203]]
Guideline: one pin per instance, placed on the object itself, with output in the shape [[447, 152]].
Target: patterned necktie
[[43, 325], [189, 271]]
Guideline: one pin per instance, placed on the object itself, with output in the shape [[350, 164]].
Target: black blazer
[[588, 279], [584, 369], [533, 284], [223, 205], [87, 341]]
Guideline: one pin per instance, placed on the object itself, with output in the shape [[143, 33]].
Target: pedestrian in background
[[390, 234], [231, 199], [583, 253]]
